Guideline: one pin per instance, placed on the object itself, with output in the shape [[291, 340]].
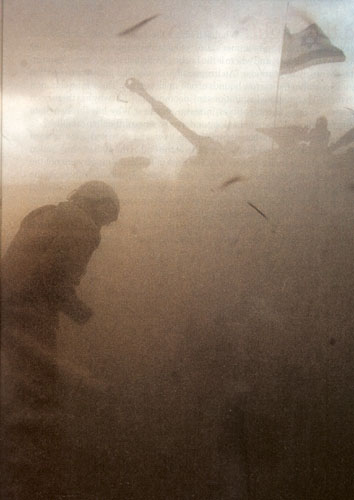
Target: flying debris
[[121, 100], [137, 26], [257, 210], [228, 183]]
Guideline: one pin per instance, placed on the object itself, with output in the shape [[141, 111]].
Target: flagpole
[[276, 100], [278, 79]]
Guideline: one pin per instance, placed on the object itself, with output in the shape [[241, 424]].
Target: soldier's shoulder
[[39, 213], [73, 218], [63, 218], [73, 213], [54, 215]]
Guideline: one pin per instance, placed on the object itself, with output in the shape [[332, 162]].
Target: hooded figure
[[319, 136], [40, 272]]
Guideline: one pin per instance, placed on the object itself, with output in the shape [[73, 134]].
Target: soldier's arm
[[62, 268], [71, 305]]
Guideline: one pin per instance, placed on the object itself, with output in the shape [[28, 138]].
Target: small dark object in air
[[257, 210], [332, 340], [228, 183], [137, 26], [121, 100]]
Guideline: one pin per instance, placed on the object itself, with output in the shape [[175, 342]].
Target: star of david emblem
[[310, 39]]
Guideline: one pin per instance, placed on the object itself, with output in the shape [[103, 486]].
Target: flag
[[307, 48]]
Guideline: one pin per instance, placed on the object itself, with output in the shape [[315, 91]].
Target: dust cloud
[[218, 363], [221, 340]]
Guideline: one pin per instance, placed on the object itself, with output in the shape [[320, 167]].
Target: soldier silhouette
[[319, 136], [40, 272]]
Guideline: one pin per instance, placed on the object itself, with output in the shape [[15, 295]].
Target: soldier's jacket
[[48, 257], [40, 270]]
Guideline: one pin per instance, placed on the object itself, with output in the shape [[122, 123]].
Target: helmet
[[94, 191], [322, 122], [93, 194]]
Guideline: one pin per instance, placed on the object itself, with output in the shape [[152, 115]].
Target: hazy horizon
[[214, 64]]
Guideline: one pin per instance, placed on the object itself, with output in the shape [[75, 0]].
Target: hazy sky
[[214, 63]]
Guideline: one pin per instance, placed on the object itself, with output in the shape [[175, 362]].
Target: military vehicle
[[212, 158]]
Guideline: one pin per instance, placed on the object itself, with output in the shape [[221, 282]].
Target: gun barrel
[[165, 113]]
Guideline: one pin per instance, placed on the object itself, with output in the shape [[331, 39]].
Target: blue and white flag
[[307, 48]]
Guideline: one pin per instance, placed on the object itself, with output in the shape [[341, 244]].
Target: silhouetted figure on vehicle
[[319, 136], [40, 272]]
